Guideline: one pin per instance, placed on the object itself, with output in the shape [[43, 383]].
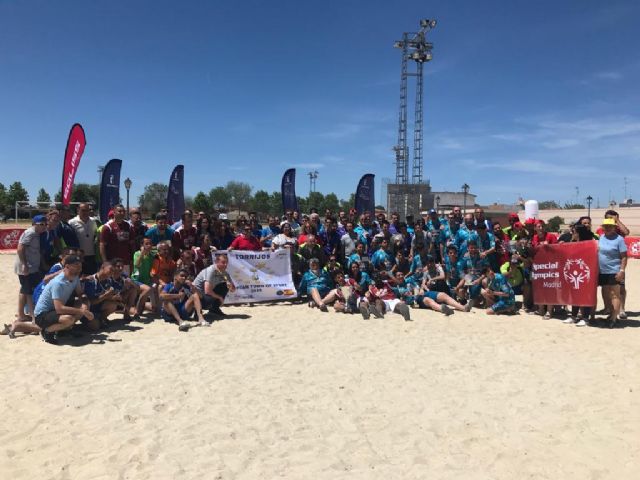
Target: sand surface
[[288, 392]]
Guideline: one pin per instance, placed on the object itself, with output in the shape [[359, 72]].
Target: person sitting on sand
[[179, 301], [383, 299], [53, 312], [142, 265], [126, 289], [213, 283], [316, 283], [498, 294], [470, 269]]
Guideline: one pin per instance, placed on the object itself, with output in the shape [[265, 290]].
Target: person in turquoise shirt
[[317, 284], [498, 294]]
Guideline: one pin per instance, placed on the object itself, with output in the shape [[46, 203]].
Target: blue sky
[[521, 98]]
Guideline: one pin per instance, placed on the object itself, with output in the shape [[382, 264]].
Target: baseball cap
[[432, 211], [39, 219], [72, 260], [609, 221], [517, 225], [514, 216], [530, 221]]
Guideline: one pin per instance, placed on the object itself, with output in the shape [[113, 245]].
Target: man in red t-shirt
[[186, 235], [116, 239], [246, 241]]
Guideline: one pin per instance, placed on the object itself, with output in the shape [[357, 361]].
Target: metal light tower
[[465, 189], [416, 48], [589, 200], [312, 180]]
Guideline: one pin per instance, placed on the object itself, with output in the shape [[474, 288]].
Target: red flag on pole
[[565, 274], [72, 154]]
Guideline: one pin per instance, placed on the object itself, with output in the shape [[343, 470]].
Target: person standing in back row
[[116, 239]]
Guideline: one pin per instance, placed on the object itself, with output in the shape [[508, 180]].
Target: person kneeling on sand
[[179, 300], [103, 298], [213, 283], [498, 294], [54, 311]]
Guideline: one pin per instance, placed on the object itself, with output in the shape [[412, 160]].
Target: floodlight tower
[[414, 47]]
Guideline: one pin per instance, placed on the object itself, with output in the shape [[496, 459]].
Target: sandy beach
[[288, 392]]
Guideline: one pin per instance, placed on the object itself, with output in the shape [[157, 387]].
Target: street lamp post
[[465, 189], [127, 185], [438, 204], [589, 200]]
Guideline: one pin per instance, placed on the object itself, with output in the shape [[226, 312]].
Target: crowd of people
[[77, 269]]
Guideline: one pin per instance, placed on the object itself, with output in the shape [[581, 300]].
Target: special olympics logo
[[576, 272]]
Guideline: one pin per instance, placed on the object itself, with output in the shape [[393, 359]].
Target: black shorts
[[47, 319], [607, 279], [28, 283]]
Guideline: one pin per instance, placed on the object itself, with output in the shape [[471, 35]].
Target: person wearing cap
[[510, 231], [612, 260], [85, 228], [621, 229], [56, 310], [27, 266]]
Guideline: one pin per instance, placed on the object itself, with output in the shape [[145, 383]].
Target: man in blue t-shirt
[[53, 311]]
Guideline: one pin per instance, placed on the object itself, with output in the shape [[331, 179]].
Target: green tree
[[549, 205], [154, 198], [4, 203], [316, 200], [275, 204], [201, 203], [331, 202], [574, 206], [553, 225], [348, 204], [83, 192], [240, 194], [260, 202], [219, 198], [43, 196], [17, 193]]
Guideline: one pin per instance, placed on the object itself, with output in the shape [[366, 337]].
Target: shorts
[[390, 305], [501, 305], [28, 283], [45, 320], [605, 279], [182, 311], [431, 294], [517, 289]]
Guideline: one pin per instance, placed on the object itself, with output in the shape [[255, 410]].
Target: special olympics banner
[[72, 154], [109, 188], [633, 246], [365, 194], [260, 276], [565, 274], [175, 194], [288, 190], [9, 238]]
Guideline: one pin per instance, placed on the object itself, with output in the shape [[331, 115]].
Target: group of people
[[77, 269]]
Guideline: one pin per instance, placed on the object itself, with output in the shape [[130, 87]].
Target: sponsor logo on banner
[[633, 246], [565, 274], [576, 272], [9, 238], [260, 276]]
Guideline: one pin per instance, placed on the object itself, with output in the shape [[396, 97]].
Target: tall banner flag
[[72, 154], [365, 193], [288, 189], [109, 188], [565, 274], [175, 195]]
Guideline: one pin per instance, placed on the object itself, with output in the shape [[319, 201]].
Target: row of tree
[[553, 205]]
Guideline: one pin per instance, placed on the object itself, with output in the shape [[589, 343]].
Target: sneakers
[[364, 311], [183, 327], [547, 316], [375, 312], [470, 304], [622, 315], [571, 320], [446, 309], [49, 337], [581, 323]]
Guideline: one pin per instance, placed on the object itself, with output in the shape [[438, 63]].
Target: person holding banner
[[612, 260], [213, 283]]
